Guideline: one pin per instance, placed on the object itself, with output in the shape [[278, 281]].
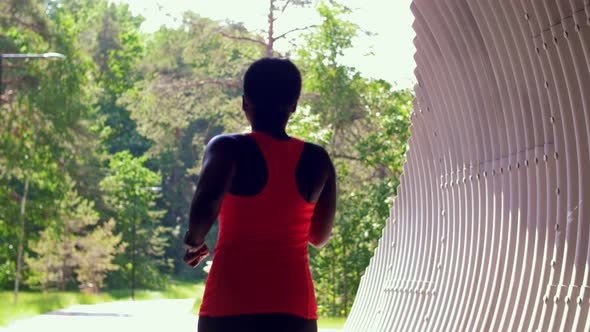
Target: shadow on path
[[61, 313], [120, 316]]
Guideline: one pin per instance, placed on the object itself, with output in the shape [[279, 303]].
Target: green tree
[[127, 195], [135, 111], [108, 34], [96, 255], [189, 92], [38, 117], [308, 126], [369, 122], [76, 245]]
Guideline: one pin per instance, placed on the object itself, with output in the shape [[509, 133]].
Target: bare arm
[[214, 181], [325, 209]]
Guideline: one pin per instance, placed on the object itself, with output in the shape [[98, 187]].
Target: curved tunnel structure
[[491, 227]]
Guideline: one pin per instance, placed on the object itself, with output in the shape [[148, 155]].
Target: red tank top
[[260, 262]]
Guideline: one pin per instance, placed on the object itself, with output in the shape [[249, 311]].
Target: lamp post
[[20, 250], [50, 55], [133, 252]]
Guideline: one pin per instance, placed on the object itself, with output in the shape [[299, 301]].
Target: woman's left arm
[[215, 180]]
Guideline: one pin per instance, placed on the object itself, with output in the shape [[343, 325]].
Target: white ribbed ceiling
[[491, 227]]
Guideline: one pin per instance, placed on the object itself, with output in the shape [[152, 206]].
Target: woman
[[273, 194]]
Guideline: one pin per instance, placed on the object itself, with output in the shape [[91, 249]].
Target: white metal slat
[[438, 125], [520, 176], [540, 122], [534, 131], [554, 175], [571, 69], [504, 227], [518, 91], [424, 316], [429, 81], [446, 266], [476, 113]]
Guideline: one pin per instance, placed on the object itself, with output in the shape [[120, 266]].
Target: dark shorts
[[257, 323]]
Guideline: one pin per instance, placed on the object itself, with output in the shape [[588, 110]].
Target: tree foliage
[[75, 245], [84, 140], [369, 126], [129, 195]]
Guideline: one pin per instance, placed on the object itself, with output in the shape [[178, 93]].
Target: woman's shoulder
[[233, 142], [316, 150], [316, 157], [227, 138]]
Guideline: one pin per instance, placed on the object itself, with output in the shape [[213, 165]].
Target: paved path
[[121, 316]]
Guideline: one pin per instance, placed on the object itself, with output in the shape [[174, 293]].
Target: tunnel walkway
[[490, 230]]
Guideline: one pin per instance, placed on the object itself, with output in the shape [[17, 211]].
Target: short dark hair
[[272, 83]]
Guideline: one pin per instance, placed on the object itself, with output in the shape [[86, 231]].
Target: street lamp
[[153, 190], [3, 56], [50, 55]]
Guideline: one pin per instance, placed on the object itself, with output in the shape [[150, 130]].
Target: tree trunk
[[133, 247], [21, 240], [64, 266], [345, 279], [271, 22], [334, 293]]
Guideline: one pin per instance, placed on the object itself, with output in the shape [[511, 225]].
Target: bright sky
[[387, 55]]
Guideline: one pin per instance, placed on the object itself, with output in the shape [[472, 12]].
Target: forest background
[[100, 152]]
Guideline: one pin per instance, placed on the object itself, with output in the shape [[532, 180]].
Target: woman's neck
[[278, 133]]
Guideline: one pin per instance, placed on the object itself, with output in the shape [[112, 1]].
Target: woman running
[[273, 194]]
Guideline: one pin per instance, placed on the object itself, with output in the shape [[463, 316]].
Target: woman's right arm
[[325, 209]]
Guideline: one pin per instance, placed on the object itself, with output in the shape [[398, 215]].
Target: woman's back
[[261, 262], [252, 174]]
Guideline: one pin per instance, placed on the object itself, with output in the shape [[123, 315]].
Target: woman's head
[[271, 90]]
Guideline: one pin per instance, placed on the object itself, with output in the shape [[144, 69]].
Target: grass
[[35, 303], [331, 322], [174, 290]]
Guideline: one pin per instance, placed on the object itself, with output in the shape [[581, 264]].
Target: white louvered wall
[[491, 227]]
